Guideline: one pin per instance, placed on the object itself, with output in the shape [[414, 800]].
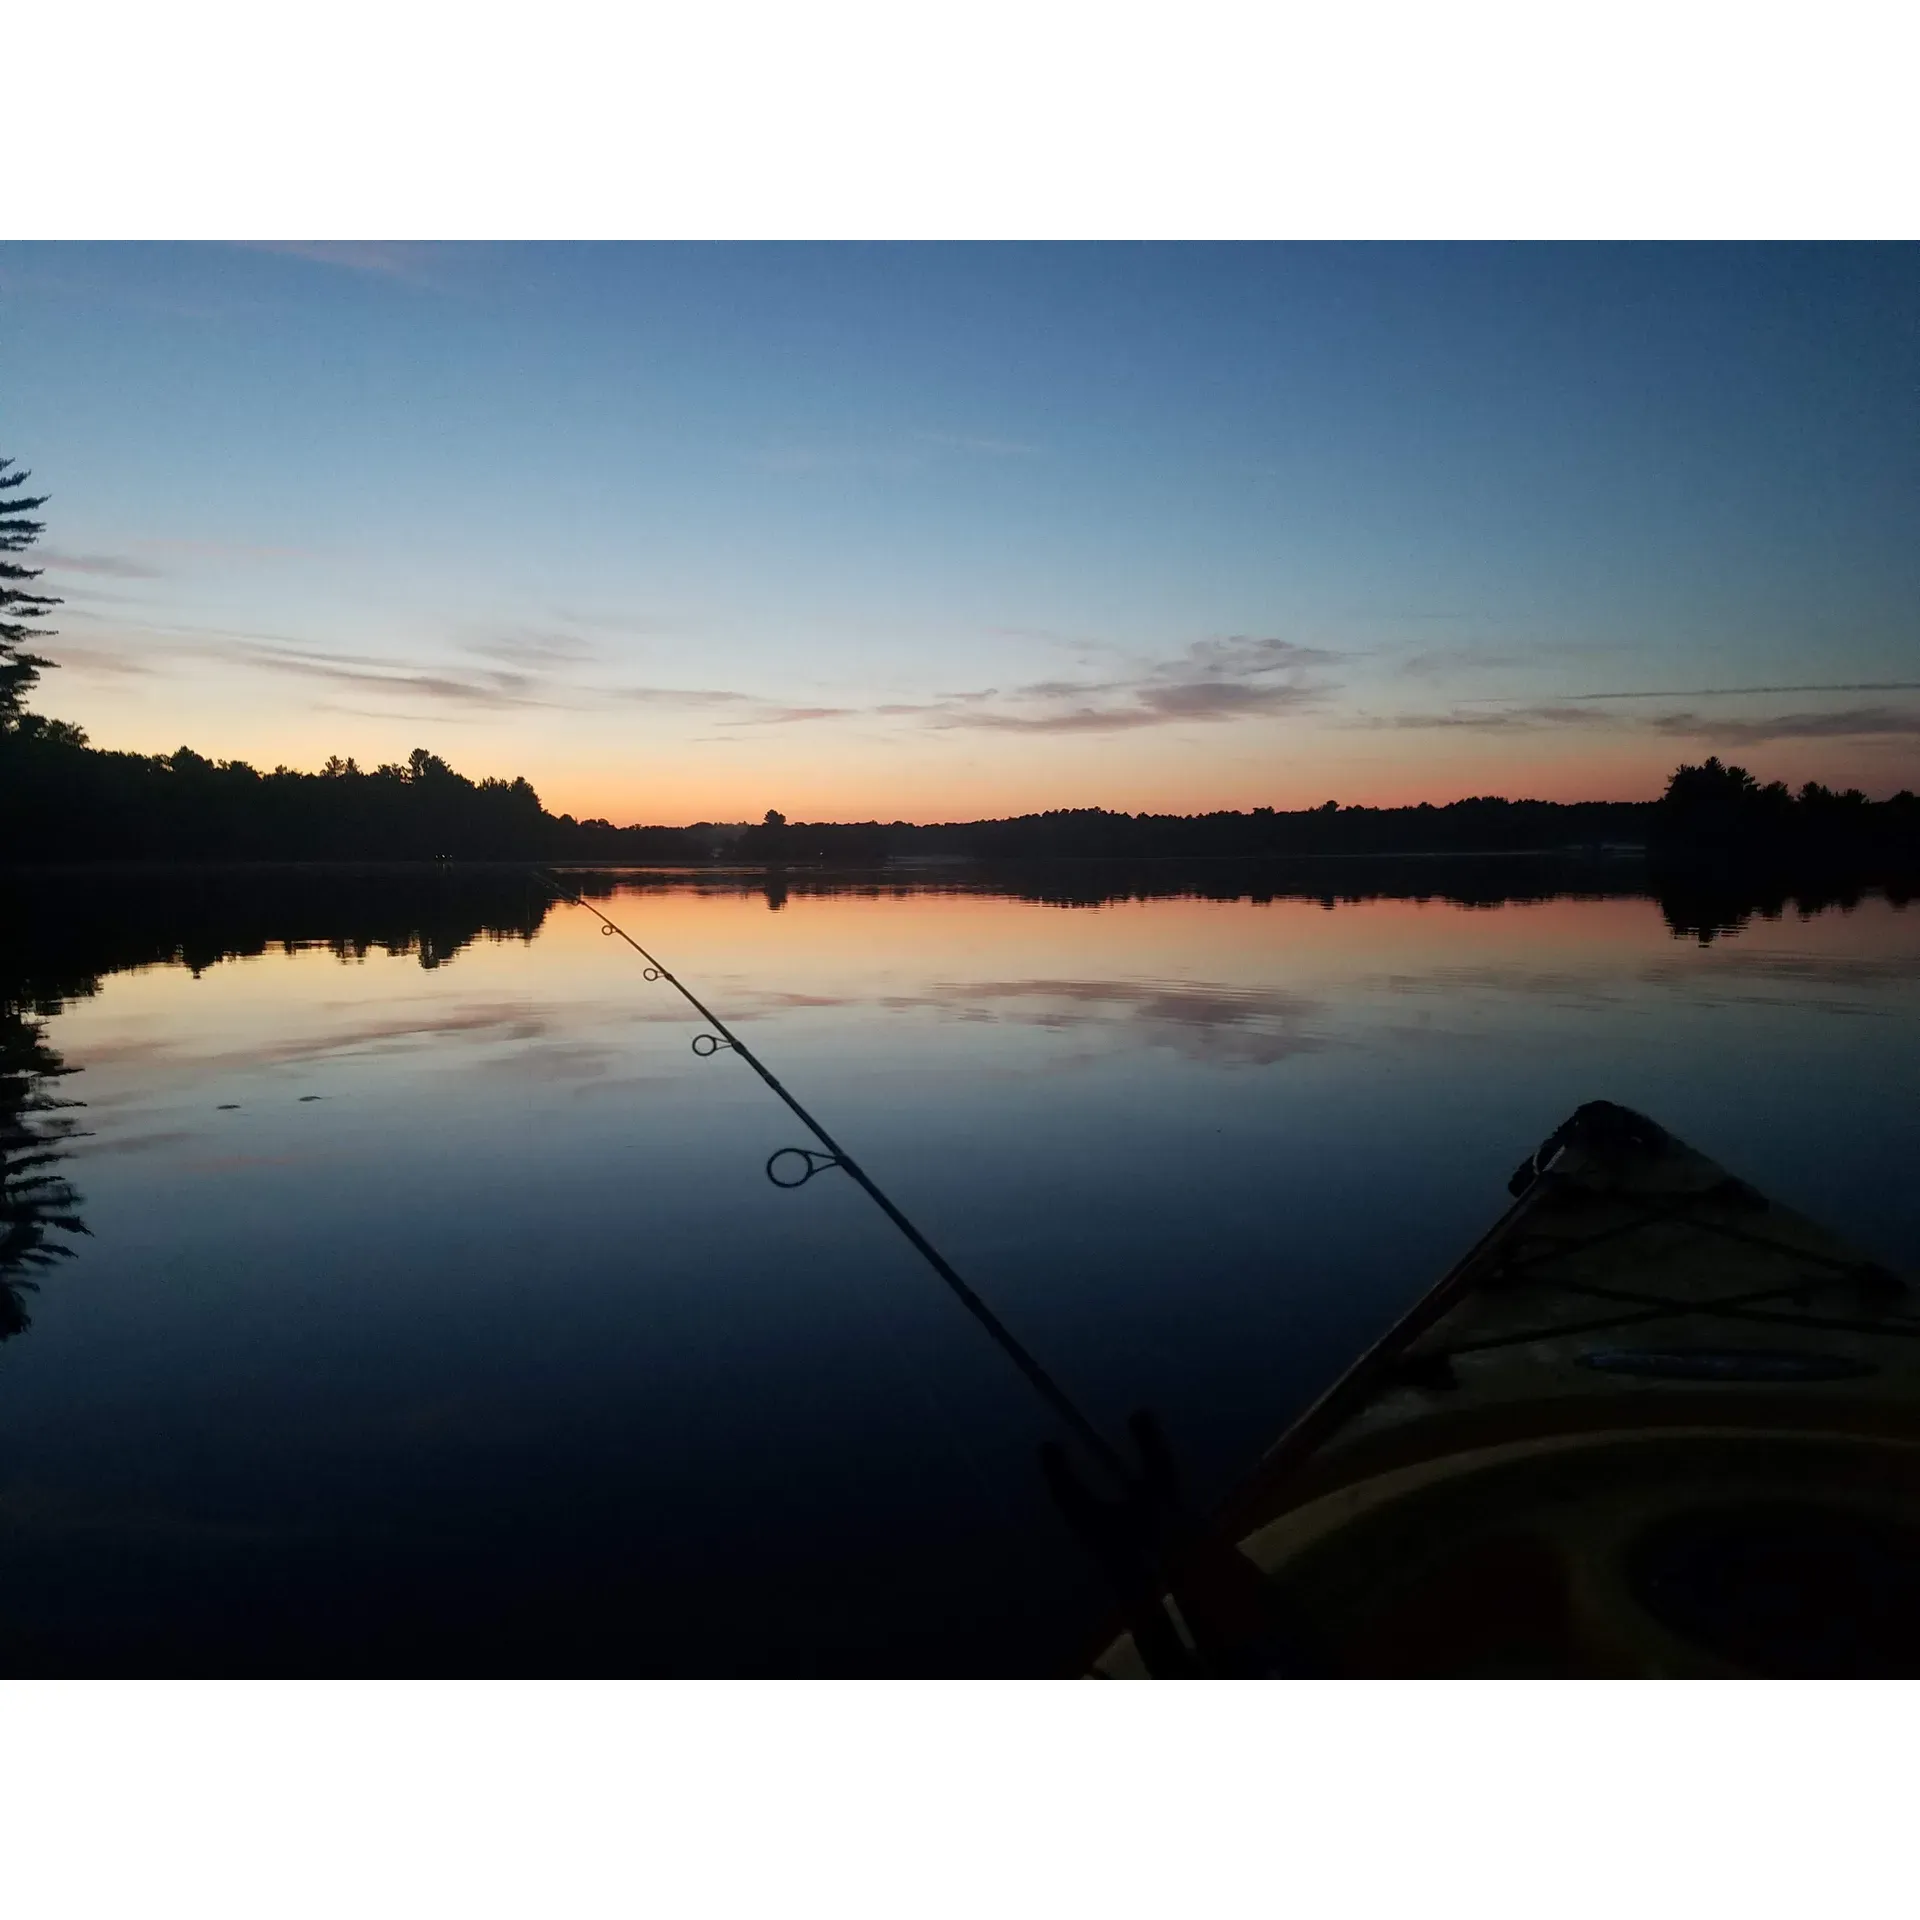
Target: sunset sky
[[943, 532]]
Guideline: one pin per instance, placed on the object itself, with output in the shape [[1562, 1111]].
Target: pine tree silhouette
[[20, 603]]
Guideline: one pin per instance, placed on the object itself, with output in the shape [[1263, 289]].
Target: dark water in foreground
[[435, 1316]]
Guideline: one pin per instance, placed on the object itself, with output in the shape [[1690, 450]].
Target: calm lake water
[[435, 1315]]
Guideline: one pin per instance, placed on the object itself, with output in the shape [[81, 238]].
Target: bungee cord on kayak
[[800, 1164]]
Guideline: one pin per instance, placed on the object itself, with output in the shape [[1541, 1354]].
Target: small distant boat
[[1652, 1424]]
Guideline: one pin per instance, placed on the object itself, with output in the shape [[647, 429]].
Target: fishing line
[[802, 1163]]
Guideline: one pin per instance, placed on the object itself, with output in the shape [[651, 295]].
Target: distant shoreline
[[73, 805], [888, 864]]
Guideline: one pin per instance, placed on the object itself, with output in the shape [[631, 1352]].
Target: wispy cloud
[[485, 687], [414, 262], [1856, 723], [1501, 719], [530, 676], [674, 696], [111, 566], [1441, 662], [1569, 712], [1209, 681], [478, 687], [1200, 701], [640, 625], [531, 647], [1732, 693], [111, 661], [789, 716], [1054, 637], [415, 719], [535, 668]]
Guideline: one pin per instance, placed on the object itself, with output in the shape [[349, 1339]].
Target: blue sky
[[687, 532]]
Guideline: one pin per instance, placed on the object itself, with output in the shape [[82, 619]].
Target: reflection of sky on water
[[449, 1309]]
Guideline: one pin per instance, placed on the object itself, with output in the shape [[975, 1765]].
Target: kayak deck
[[1651, 1424]]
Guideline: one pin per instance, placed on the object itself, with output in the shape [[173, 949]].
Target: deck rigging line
[[722, 1038]]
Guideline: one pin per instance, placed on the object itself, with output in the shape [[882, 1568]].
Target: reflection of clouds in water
[[406, 1033], [1824, 969], [1205, 1021], [735, 998], [552, 1060], [1725, 975], [1737, 977], [511, 1038], [1584, 991]]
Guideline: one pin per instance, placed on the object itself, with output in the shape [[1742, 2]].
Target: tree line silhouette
[[64, 800], [68, 801]]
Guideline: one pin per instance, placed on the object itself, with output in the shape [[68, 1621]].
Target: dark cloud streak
[[1502, 719], [1208, 682], [1732, 693], [110, 566], [1850, 724], [1856, 723]]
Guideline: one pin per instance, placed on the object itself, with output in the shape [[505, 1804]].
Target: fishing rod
[[722, 1038]]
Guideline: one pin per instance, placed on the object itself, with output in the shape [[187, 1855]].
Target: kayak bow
[[1652, 1424]]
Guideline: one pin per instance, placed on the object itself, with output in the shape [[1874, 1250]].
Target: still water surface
[[438, 1317]]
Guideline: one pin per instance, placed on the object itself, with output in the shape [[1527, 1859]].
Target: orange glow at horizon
[[824, 791], [588, 770]]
